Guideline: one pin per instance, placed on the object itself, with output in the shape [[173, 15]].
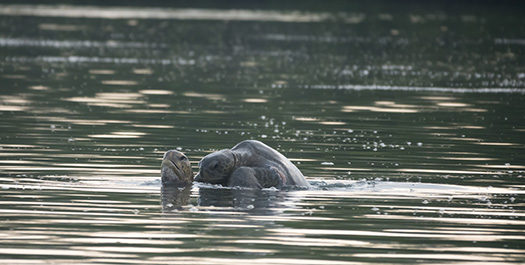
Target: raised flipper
[[257, 177]]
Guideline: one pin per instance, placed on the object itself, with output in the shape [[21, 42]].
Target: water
[[408, 123]]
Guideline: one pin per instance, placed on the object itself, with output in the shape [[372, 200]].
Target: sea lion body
[[250, 164]]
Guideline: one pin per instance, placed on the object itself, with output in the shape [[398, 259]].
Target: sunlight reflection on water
[[411, 136], [383, 202]]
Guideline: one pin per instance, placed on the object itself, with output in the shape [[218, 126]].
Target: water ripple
[[20, 42], [170, 13]]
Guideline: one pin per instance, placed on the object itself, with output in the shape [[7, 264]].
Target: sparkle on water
[[408, 123]]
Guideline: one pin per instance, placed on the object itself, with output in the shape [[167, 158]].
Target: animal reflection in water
[[174, 198], [249, 167]]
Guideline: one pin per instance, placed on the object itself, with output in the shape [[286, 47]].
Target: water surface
[[409, 125]]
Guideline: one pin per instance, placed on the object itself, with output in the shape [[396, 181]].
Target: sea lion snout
[[176, 168]]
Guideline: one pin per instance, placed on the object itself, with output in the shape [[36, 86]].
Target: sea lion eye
[[183, 158]]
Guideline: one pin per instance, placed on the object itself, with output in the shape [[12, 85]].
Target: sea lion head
[[176, 168], [216, 167]]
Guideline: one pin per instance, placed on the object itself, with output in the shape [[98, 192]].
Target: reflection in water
[[411, 135], [417, 89], [125, 221], [214, 198], [18, 42], [98, 60], [167, 13], [247, 199], [174, 197]]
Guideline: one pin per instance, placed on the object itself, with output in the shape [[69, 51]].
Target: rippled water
[[409, 125]]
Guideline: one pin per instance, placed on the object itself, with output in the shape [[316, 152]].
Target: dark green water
[[409, 123]]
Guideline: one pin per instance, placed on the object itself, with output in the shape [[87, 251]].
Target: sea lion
[[176, 168], [250, 164]]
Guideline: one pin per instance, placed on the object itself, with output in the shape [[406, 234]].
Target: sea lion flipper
[[256, 177]]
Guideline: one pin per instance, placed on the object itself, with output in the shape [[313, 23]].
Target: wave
[[172, 13], [417, 89], [24, 42]]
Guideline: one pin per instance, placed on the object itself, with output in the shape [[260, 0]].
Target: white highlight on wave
[[417, 89], [510, 41], [86, 59], [21, 42], [170, 13]]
